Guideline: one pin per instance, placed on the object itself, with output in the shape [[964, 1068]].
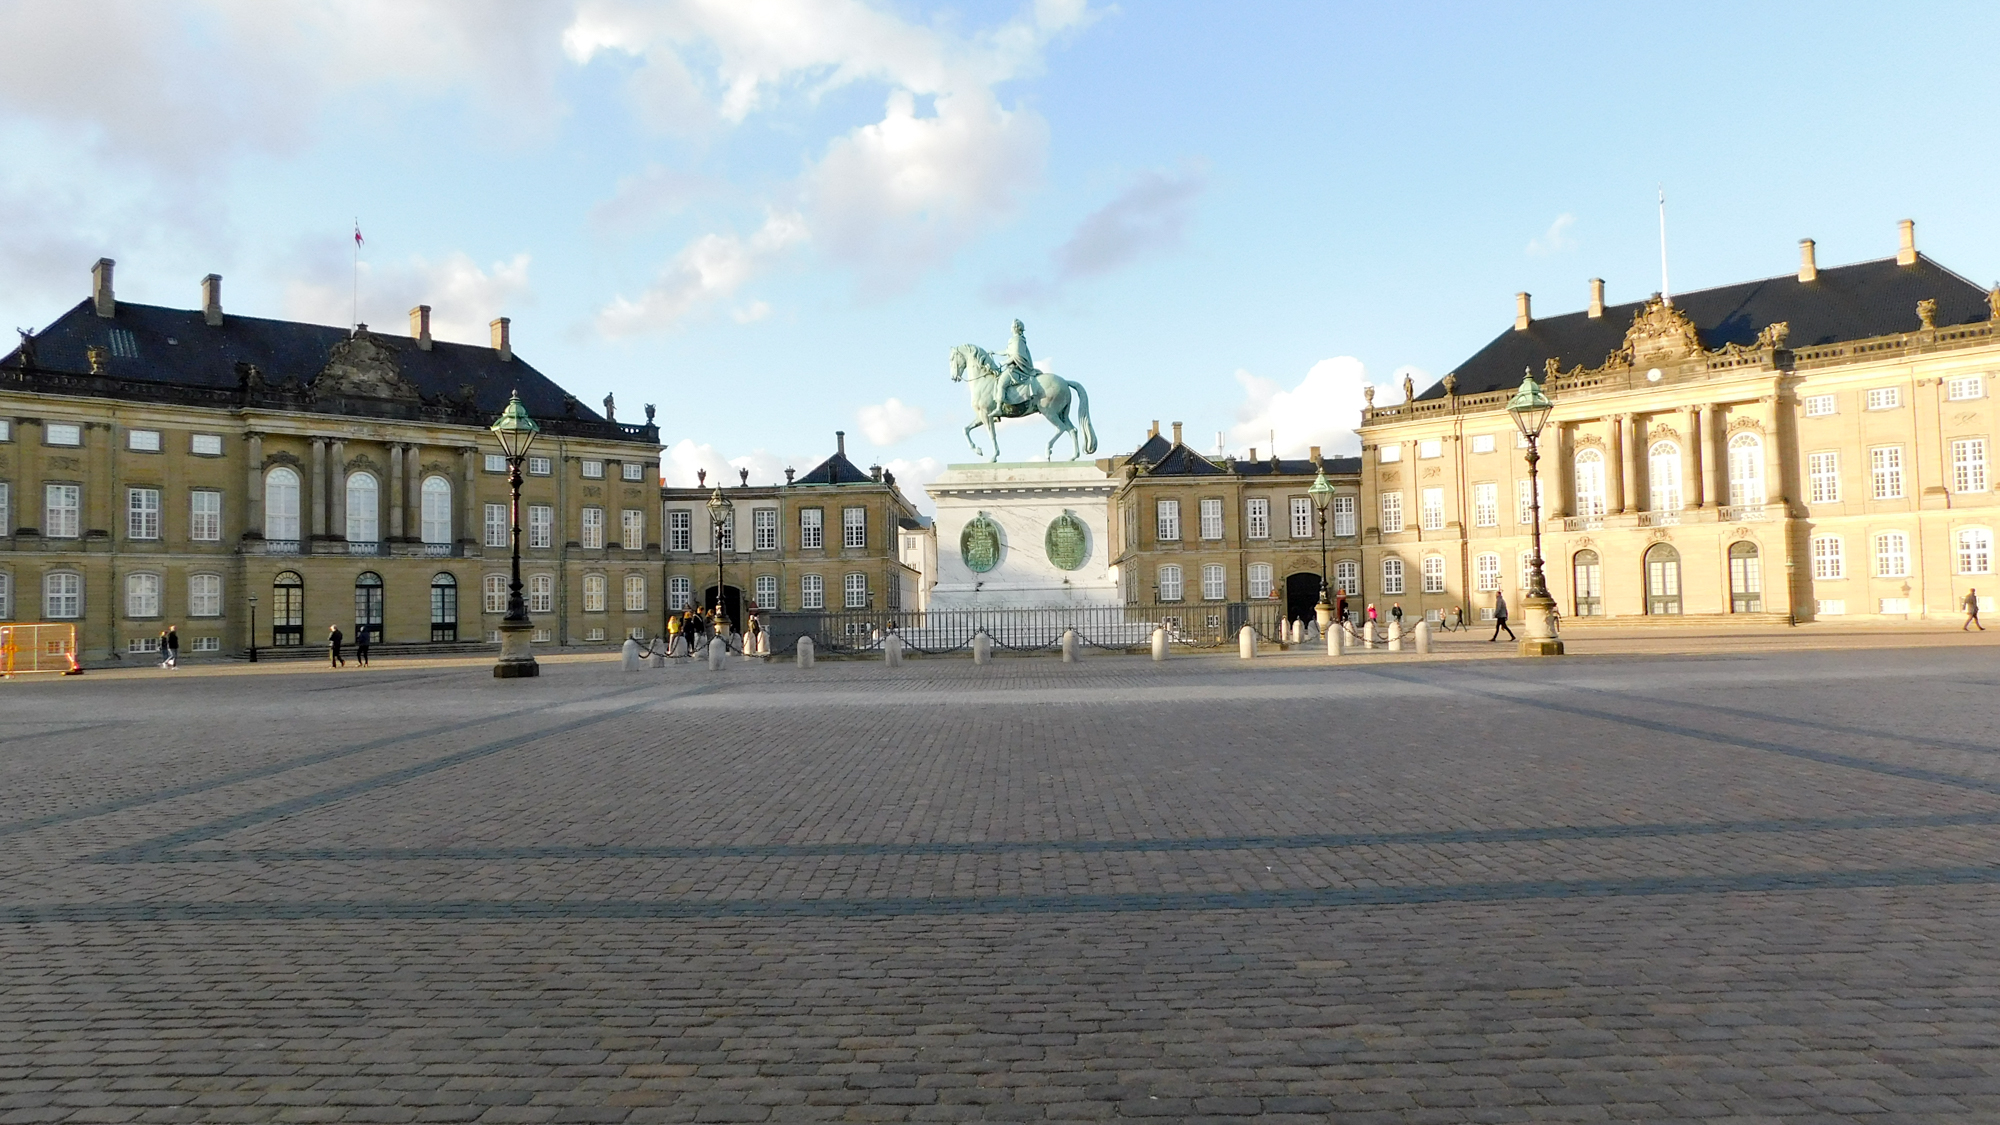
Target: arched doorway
[[368, 606], [1588, 575], [288, 609], [1663, 579], [732, 604], [1301, 596], [444, 609], [1746, 579]]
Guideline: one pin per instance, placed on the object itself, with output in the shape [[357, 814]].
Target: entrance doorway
[[1588, 574], [1301, 596], [1663, 580], [1746, 579], [368, 607], [444, 609], [288, 610], [732, 604]]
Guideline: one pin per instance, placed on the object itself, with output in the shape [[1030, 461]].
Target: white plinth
[[1023, 498]]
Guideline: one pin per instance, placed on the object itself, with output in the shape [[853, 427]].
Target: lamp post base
[[1324, 613], [1541, 639], [517, 659]]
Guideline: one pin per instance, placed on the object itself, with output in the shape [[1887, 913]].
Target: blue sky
[[772, 217]]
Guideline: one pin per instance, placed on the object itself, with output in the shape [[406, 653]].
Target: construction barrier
[[28, 649]]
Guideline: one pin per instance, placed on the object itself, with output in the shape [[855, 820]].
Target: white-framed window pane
[[494, 591], [1885, 398], [1829, 558], [62, 596], [854, 527], [539, 466], [1302, 517], [1885, 470], [635, 593], [435, 500], [1482, 443], [497, 527], [62, 433], [1392, 512], [856, 588], [205, 515], [281, 504], [1969, 386], [1819, 406], [1211, 519], [205, 445], [363, 522], [1975, 550], [1434, 574], [1590, 494], [6, 596], [812, 592], [1663, 475], [633, 470], [205, 595], [1168, 520], [142, 513], [1430, 448], [6, 509], [1392, 575], [1432, 509], [1746, 471], [632, 529], [593, 528], [1214, 583], [1170, 583], [64, 511], [725, 532], [680, 592], [593, 470], [496, 463], [812, 529], [1486, 504], [767, 592], [593, 593], [142, 595], [1524, 500], [142, 441], [541, 525], [1486, 572], [1343, 516], [1260, 580], [1823, 477], [1892, 555], [1389, 454], [764, 529], [1347, 577], [680, 530], [1257, 517], [541, 593], [1968, 465]]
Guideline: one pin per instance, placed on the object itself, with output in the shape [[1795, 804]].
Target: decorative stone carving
[[1368, 395], [1745, 422], [1587, 441], [1450, 383], [1662, 433], [283, 457], [1993, 303], [1742, 533], [98, 355], [363, 366], [979, 544], [1390, 476], [1660, 332], [1927, 313], [1582, 542], [1661, 535], [1433, 472], [1774, 335], [362, 461], [1409, 389], [436, 468], [1067, 542]]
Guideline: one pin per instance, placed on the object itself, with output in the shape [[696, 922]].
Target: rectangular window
[[1432, 510], [725, 532], [1343, 516], [1168, 522], [541, 525], [205, 515], [1257, 514], [1819, 406], [680, 592], [496, 463], [142, 441], [767, 591], [1486, 504], [1885, 398], [64, 511], [1392, 575], [1829, 559], [1885, 470], [538, 467], [207, 644], [497, 529], [62, 433], [1482, 443], [856, 588], [593, 528], [1968, 465], [1429, 448], [1834, 607], [632, 529], [205, 595], [854, 527], [205, 445], [680, 530], [1969, 386], [1434, 574], [1486, 572], [812, 592], [495, 592], [1892, 555], [1896, 606], [1302, 517], [593, 470], [62, 596], [6, 429], [1823, 475], [142, 595], [541, 593], [764, 529], [1260, 580], [633, 470], [593, 593], [6, 509], [1392, 512], [1975, 551], [1525, 500], [811, 529], [1347, 577], [1388, 454], [1170, 583], [1214, 584], [1211, 519]]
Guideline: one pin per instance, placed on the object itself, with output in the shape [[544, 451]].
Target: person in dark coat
[[172, 646], [361, 635], [1500, 618], [333, 639]]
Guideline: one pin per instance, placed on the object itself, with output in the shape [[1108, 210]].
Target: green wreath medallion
[[1067, 543], [979, 544]]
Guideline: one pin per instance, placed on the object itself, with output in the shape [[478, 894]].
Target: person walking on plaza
[[361, 635], [1340, 608], [673, 634], [333, 639], [1396, 612], [1500, 618], [160, 642], [170, 647], [1972, 612]]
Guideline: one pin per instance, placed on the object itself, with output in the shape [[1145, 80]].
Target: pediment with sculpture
[[363, 366]]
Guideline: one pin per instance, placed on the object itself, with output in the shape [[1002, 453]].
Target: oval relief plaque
[[1067, 543], [979, 544]]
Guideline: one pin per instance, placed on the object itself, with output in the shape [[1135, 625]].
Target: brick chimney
[[100, 289], [1596, 298], [1314, 453], [1521, 317], [420, 326], [1906, 254], [502, 342], [1155, 431], [1177, 433], [1808, 264], [211, 300], [840, 442]]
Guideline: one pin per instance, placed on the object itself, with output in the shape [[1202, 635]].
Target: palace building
[[167, 466], [1812, 445]]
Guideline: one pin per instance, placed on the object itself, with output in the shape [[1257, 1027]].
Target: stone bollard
[[659, 654], [678, 646], [805, 652], [1336, 638], [1159, 642], [1246, 643], [717, 647], [892, 651], [1424, 638], [1395, 636], [628, 655], [1072, 649], [1312, 632], [1367, 633], [982, 648]]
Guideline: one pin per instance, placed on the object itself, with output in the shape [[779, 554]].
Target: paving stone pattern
[[1602, 889]]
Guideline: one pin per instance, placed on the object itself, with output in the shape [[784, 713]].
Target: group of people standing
[[1372, 617]]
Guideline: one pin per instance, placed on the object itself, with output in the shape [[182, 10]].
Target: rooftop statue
[[1010, 386]]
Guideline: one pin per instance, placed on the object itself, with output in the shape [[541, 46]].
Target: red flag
[[357, 232]]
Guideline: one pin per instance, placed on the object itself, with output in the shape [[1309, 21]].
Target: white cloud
[[1556, 239], [912, 476], [640, 200], [887, 423], [464, 298], [711, 268], [683, 462], [1322, 410]]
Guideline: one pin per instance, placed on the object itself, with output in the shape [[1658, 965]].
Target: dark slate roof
[[1180, 461], [908, 523], [836, 469], [1150, 453], [207, 360], [1845, 303]]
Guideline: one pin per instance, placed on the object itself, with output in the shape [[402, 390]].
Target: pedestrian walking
[[1371, 617], [1340, 608], [361, 635], [1972, 612], [1500, 618], [171, 645], [1396, 612], [333, 639], [160, 642]]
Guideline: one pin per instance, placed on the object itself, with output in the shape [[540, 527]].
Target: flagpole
[[355, 318], [1666, 295]]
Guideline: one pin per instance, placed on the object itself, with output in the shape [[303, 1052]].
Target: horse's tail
[[1083, 418]]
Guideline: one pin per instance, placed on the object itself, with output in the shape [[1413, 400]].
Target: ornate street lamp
[[1530, 408], [516, 432], [721, 510], [1322, 498], [253, 628]]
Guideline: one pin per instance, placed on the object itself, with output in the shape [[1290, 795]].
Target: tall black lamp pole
[[515, 431]]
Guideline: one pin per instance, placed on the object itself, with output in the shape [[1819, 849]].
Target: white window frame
[[632, 529], [434, 509], [812, 530], [1392, 575], [142, 441], [595, 593], [282, 490], [493, 591], [205, 515], [1592, 494], [364, 507], [1211, 518], [1829, 558], [854, 590], [65, 434], [632, 470], [1486, 503], [1429, 449], [1486, 572], [1885, 472], [541, 593], [1392, 513], [1257, 518], [1167, 521], [1260, 581], [1746, 471], [62, 510], [1430, 509], [1820, 406], [1968, 465], [593, 527], [766, 591], [142, 595], [142, 513], [540, 467], [1388, 454], [1302, 517], [1964, 387], [853, 529], [1663, 477], [1214, 583], [592, 469], [496, 462], [1885, 398], [1433, 568], [1482, 443], [204, 595], [680, 529], [1972, 548], [541, 526], [6, 509], [1892, 555], [1171, 589], [812, 591], [1347, 577], [680, 593], [1823, 477], [497, 527], [1344, 509], [764, 529], [62, 595]]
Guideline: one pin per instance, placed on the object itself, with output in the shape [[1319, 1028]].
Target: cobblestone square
[[1746, 886]]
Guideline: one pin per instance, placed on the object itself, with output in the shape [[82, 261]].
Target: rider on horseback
[[1017, 374]]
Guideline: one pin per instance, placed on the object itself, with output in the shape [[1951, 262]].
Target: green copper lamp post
[[720, 512], [516, 432], [1322, 498], [1530, 408]]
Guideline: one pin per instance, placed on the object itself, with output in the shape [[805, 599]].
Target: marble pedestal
[[1023, 498]]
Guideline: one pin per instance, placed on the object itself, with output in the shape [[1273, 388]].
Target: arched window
[[1663, 578], [1663, 475], [1590, 503], [62, 596], [367, 604], [1746, 576], [204, 595], [281, 504], [363, 524], [1433, 574], [1486, 572], [444, 608], [142, 595], [1392, 575], [1746, 471], [1587, 573], [436, 526], [1829, 558], [494, 587], [541, 593], [1975, 550], [1892, 555], [288, 609]]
